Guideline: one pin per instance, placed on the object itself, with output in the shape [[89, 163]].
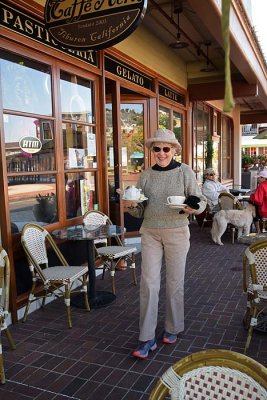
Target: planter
[[46, 209]]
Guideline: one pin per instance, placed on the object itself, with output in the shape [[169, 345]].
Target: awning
[[249, 141], [261, 135], [137, 155]]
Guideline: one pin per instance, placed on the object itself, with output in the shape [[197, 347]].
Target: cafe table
[[252, 237], [89, 233]]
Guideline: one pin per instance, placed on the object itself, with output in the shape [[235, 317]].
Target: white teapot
[[132, 193]]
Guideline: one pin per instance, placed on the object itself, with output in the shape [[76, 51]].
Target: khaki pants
[[174, 245]]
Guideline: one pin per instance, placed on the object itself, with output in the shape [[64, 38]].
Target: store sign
[[35, 29], [30, 144], [171, 94], [92, 24], [125, 72]]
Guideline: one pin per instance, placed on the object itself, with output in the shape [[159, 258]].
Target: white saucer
[[140, 200], [175, 205]]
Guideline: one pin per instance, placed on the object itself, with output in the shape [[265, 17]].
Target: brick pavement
[[93, 359]]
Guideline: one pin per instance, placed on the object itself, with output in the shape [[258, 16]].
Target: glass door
[[132, 151], [173, 119], [126, 127]]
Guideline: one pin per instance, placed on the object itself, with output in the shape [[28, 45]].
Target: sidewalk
[[93, 359]]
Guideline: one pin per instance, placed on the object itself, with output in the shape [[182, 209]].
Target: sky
[[259, 14]]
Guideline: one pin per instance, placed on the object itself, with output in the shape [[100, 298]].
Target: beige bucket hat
[[164, 136]]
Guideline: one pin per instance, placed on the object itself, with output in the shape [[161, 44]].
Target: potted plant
[[46, 208], [247, 161], [209, 152], [261, 159]]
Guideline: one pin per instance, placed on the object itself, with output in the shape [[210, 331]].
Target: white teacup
[[175, 200]]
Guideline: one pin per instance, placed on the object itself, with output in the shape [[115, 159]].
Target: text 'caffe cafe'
[[74, 121]]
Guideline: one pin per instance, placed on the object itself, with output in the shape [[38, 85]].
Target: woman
[[164, 232], [259, 199], [212, 188]]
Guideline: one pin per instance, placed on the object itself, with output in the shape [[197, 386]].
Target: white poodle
[[241, 219]]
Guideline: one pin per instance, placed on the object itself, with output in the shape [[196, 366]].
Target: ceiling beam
[[259, 117], [215, 90]]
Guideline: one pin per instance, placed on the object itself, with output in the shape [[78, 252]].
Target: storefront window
[[76, 96], [79, 143], [173, 120], [29, 144], [164, 118], [80, 193], [178, 130], [26, 84], [32, 198], [202, 140], [227, 133]]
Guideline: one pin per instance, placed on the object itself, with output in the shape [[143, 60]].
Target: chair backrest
[[95, 218], [227, 201], [4, 281], [98, 218], [256, 256], [34, 239], [213, 374]]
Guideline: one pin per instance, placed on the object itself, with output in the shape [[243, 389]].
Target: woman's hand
[[189, 210], [130, 203]]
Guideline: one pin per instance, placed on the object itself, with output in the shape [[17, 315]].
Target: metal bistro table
[[252, 237], [89, 233]]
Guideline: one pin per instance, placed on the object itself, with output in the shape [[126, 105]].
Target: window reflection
[[26, 84], [132, 140], [22, 160], [76, 98], [80, 193], [164, 118], [177, 129], [79, 146], [32, 198]]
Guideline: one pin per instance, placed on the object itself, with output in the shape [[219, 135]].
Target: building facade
[[73, 123]]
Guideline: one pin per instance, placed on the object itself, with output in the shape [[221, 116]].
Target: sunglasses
[[157, 149], [211, 174]]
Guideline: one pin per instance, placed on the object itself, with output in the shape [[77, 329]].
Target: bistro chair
[[55, 281], [208, 217], [228, 201], [255, 285], [4, 306], [213, 374], [108, 257]]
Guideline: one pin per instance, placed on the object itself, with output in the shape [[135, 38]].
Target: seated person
[[212, 188], [259, 199]]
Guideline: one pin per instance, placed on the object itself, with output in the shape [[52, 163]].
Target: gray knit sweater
[[157, 186]]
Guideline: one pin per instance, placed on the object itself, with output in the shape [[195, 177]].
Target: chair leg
[[133, 270], [30, 300], [257, 226], [2, 371], [247, 316], [67, 303], [253, 322], [112, 274], [10, 339], [85, 291], [233, 235]]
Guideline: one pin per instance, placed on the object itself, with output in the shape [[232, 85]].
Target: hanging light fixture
[[208, 67], [178, 44]]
